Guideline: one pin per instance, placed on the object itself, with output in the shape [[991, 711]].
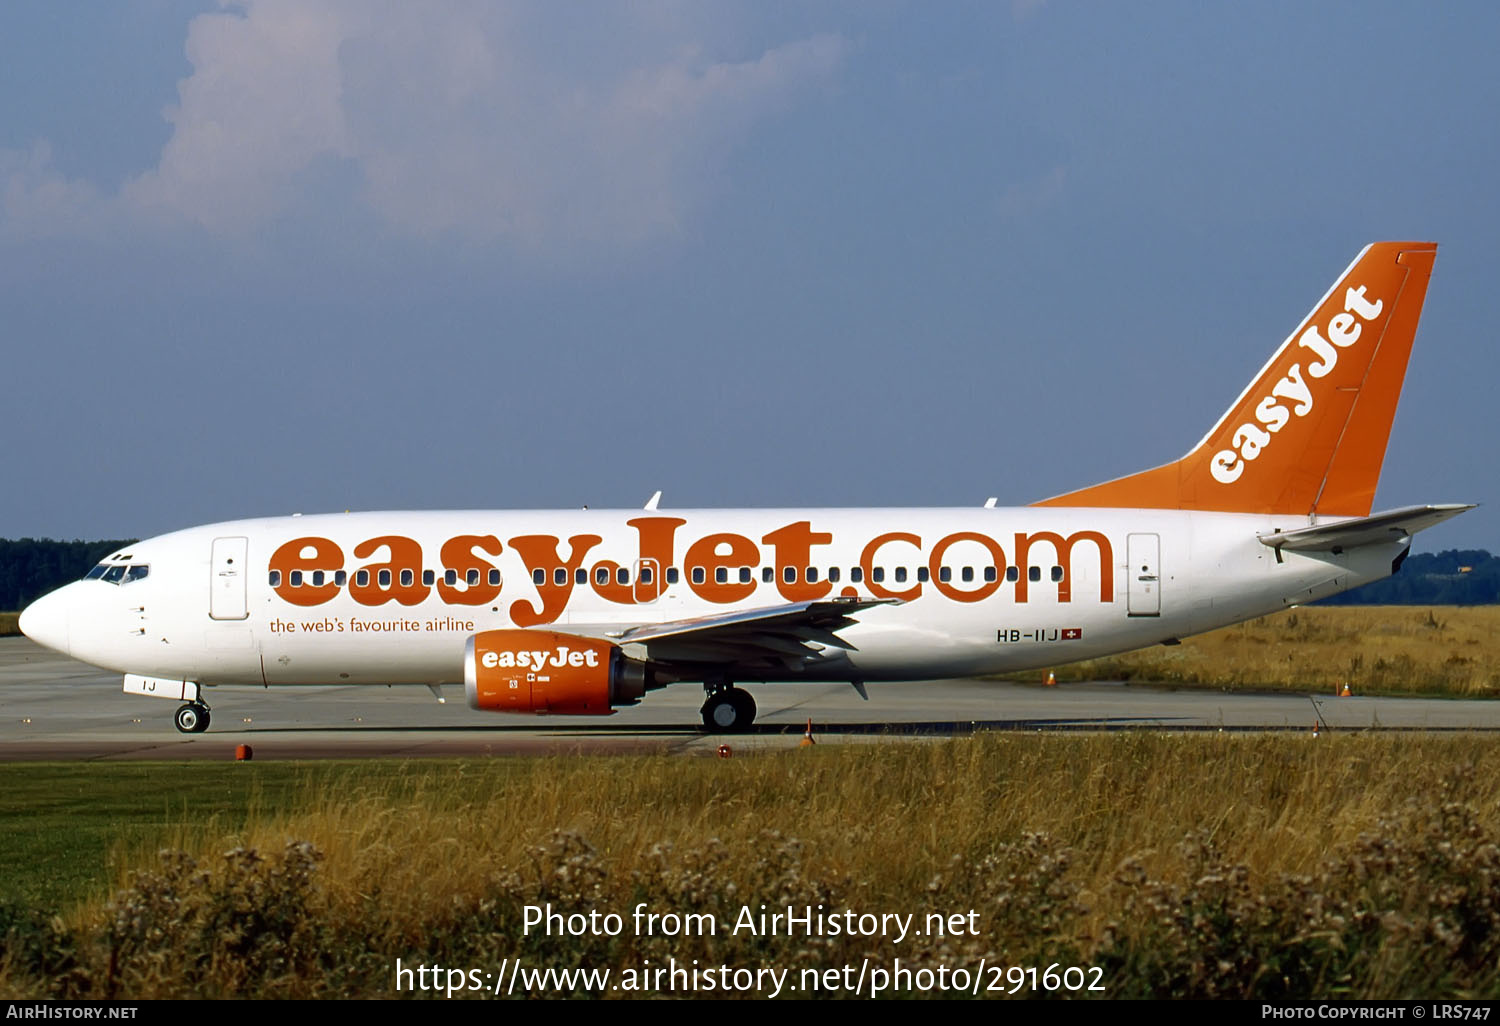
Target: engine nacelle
[[547, 672]]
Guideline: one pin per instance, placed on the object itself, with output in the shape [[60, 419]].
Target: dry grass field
[[1190, 866], [9, 624], [1390, 650]]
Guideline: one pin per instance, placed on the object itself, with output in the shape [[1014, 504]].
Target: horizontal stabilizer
[[1394, 526]]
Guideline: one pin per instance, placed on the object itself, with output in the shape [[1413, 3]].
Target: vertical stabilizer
[[1308, 435]]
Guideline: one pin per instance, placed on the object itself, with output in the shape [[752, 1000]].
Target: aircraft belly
[[342, 660]]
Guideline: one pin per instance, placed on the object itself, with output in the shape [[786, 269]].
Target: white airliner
[[584, 611]]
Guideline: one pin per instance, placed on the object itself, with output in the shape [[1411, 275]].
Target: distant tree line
[[1458, 577], [31, 567]]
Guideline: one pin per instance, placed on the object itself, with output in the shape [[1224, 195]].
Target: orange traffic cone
[[1051, 679], [1317, 726], [807, 738], [1345, 693]]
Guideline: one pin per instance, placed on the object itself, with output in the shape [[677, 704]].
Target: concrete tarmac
[[52, 707]]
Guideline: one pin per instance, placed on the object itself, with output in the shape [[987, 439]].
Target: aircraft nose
[[45, 621]]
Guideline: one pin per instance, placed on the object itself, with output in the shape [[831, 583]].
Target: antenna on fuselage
[[651, 502]]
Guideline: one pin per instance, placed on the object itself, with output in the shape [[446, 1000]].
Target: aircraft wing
[[776, 637], [1392, 526]]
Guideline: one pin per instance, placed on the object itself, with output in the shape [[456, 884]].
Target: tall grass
[[1203, 865], [1375, 649]]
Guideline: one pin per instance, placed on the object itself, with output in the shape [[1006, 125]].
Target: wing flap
[[827, 614], [787, 636]]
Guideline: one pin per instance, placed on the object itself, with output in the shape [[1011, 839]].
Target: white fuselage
[[390, 598]]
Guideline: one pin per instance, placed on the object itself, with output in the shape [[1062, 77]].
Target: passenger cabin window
[[991, 575], [1057, 573], [275, 578], [317, 579], [622, 576], [967, 574], [745, 575], [429, 577], [672, 575], [471, 577], [494, 577], [560, 576], [812, 575], [646, 575], [1034, 573], [450, 577], [580, 576], [407, 577], [721, 575], [945, 574], [384, 577], [296, 579], [900, 575], [1012, 573], [340, 578], [767, 574], [922, 574], [877, 574], [539, 576], [601, 575], [697, 575], [833, 575], [361, 578], [789, 574], [856, 574]]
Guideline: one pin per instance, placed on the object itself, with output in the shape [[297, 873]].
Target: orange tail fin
[[1309, 434]]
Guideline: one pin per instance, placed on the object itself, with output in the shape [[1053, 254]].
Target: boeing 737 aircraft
[[587, 610]]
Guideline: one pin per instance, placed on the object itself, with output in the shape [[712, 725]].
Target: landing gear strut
[[192, 718], [728, 710]]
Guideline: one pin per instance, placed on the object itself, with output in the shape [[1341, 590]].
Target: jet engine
[[547, 672]]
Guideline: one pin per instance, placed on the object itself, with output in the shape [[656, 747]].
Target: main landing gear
[[728, 710], [192, 718]]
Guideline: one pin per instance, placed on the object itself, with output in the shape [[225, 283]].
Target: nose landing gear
[[728, 710], [191, 718]]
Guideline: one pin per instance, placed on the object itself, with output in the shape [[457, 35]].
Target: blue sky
[[282, 256]]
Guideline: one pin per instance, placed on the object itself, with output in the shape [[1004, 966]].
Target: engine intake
[[548, 672]]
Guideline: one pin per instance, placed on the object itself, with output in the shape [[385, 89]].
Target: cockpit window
[[118, 573]]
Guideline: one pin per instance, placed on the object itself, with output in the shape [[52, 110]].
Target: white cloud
[[263, 102], [470, 119], [544, 160], [35, 200]]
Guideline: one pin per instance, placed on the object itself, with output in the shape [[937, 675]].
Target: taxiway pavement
[[52, 707]]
